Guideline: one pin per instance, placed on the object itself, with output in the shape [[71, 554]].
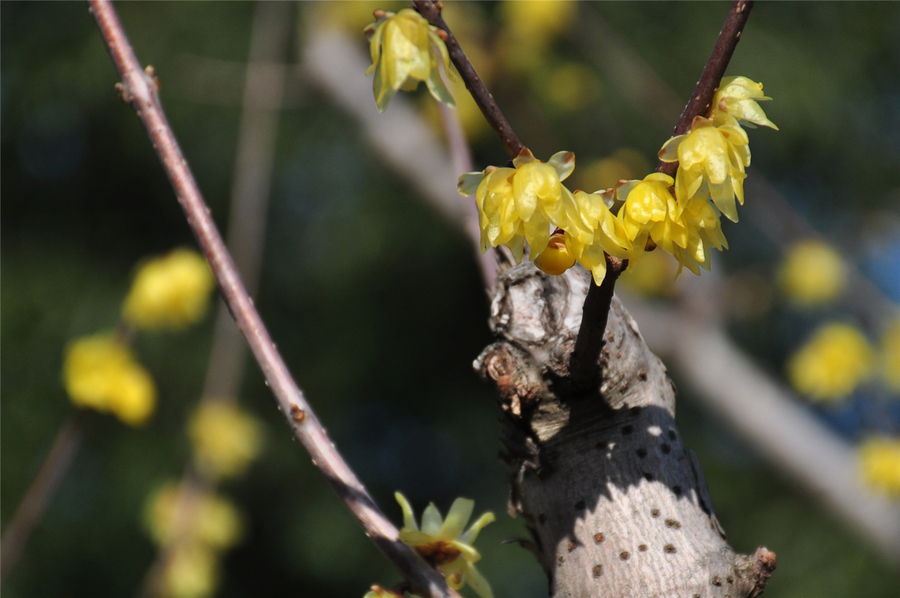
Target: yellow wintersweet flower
[[213, 522], [880, 462], [711, 161], [609, 236], [224, 437], [525, 202], [444, 544], [890, 355], [737, 99], [401, 49], [171, 291], [812, 273], [832, 363], [100, 373]]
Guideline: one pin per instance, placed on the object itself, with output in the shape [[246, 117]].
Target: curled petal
[[472, 533], [409, 518], [478, 582], [468, 182]]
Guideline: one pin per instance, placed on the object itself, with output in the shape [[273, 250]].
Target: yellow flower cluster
[[198, 527], [100, 373], [401, 48], [225, 438], [812, 273], [680, 216], [880, 462], [443, 543], [171, 291], [832, 364]]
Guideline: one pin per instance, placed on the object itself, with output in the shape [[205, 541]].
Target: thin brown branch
[[139, 89], [593, 323], [712, 74], [431, 10], [41, 492]]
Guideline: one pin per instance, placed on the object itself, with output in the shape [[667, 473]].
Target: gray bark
[[618, 506]]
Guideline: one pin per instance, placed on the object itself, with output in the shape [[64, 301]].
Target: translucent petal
[[469, 182], [669, 150], [478, 582], [457, 518], [431, 520], [438, 43], [563, 163], [375, 47], [438, 90], [469, 536], [409, 518], [517, 246], [723, 197], [537, 231]]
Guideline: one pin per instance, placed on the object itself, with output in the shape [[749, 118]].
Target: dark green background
[[376, 303]]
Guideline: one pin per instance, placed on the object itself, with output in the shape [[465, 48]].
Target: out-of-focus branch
[[765, 413], [138, 88], [431, 10], [41, 492], [590, 335]]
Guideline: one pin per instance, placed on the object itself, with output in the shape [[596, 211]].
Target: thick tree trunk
[[617, 504]]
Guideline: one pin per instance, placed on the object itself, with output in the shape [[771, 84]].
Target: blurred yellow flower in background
[[171, 291], [212, 522], [100, 373], [812, 273], [529, 28], [225, 438], [880, 462], [401, 49], [832, 364], [443, 543], [192, 571]]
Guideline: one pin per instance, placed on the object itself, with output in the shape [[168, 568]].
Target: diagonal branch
[[431, 10], [138, 88], [583, 365]]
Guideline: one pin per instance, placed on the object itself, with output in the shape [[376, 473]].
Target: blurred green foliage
[[375, 303]]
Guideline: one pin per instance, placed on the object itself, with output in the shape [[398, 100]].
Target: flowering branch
[[139, 89], [431, 10], [583, 364]]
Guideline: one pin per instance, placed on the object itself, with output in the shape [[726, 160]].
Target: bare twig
[[138, 88], [432, 12], [41, 492], [712, 74], [590, 334]]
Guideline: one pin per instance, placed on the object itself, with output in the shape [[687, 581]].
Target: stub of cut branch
[[139, 89], [617, 503]]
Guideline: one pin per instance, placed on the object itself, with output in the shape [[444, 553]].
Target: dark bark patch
[[716, 581], [542, 518], [666, 448], [677, 490], [641, 452], [598, 570], [648, 476], [571, 546], [654, 512], [642, 548], [624, 555], [672, 435], [729, 579], [642, 375], [634, 411], [598, 537], [580, 505], [626, 430], [669, 549], [673, 523]]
